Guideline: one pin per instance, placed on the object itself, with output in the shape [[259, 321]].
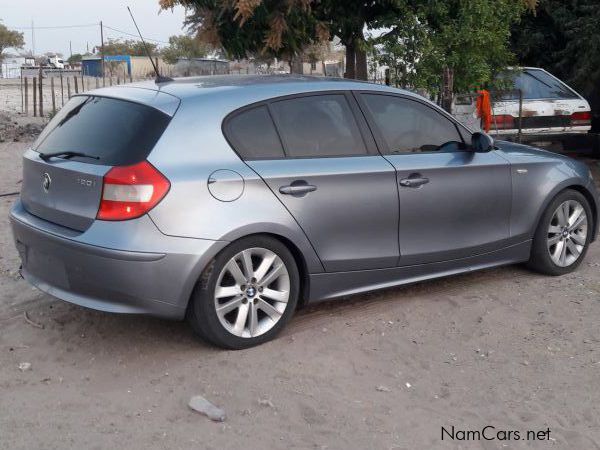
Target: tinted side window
[[408, 126], [117, 131], [253, 134], [316, 126]]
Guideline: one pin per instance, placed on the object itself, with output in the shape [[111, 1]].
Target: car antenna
[[159, 77]]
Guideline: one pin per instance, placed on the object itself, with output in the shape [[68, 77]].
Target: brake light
[[582, 118], [131, 191], [503, 122]]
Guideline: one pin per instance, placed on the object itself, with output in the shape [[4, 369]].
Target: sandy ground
[[503, 347]]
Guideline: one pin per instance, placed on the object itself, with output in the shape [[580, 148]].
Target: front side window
[[408, 126], [318, 126]]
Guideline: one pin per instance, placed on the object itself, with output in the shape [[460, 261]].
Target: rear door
[[454, 203], [316, 155], [112, 132]]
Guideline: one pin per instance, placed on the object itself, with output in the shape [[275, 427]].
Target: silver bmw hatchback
[[231, 201]]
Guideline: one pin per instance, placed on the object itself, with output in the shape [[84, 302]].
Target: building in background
[[11, 66], [124, 66]]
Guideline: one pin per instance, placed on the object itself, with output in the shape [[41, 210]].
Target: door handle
[[414, 182], [297, 189]]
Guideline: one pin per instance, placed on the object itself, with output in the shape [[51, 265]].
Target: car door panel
[[463, 209], [349, 211], [454, 202]]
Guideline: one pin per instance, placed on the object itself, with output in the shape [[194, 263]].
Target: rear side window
[[408, 126], [537, 84], [118, 132], [253, 134], [318, 126]]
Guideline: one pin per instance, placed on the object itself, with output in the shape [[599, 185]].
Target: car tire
[[554, 234], [238, 288]]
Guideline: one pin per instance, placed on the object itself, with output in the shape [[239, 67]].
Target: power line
[[55, 27], [135, 35], [61, 27]]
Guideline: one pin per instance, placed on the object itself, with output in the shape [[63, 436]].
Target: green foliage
[[270, 28], [127, 47], [75, 58], [184, 46], [471, 37], [10, 39], [564, 38]]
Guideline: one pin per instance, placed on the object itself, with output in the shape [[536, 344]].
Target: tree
[[75, 58], [347, 20], [449, 46], [185, 47], [563, 38], [126, 47], [284, 28], [9, 39], [244, 28]]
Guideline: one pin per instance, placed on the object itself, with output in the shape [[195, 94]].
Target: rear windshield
[[118, 132]]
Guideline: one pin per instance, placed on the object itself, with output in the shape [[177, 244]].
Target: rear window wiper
[[47, 156]]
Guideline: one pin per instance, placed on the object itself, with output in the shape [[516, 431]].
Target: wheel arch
[[574, 186], [298, 255]]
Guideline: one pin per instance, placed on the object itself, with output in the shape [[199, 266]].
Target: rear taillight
[[503, 122], [131, 191], [582, 118]]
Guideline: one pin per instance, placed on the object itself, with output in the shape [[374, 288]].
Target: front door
[[454, 203]]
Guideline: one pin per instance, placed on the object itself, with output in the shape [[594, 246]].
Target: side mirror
[[481, 142]]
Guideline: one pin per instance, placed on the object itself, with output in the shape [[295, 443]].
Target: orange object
[[484, 109]]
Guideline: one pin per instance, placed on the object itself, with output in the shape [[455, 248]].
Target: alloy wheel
[[567, 233], [252, 292]]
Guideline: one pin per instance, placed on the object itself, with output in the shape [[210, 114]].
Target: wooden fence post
[[53, 96], [75, 85], [26, 80], [41, 96], [21, 87], [62, 89], [97, 82], [34, 96], [68, 87]]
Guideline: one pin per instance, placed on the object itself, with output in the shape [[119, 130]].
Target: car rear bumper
[[74, 268]]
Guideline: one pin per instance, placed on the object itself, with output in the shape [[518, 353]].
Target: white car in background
[[550, 111]]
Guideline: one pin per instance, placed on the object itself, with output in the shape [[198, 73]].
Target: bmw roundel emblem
[[46, 181]]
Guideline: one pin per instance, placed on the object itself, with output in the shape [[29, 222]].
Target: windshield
[[536, 84]]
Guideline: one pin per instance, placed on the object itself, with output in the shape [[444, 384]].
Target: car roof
[[257, 86]]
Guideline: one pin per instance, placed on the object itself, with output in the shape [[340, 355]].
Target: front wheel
[[563, 235], [246, 295]]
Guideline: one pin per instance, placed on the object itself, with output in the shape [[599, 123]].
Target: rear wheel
[[246, 295], [563, 235]]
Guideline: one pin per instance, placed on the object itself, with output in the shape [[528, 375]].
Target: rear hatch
[[90, 135]]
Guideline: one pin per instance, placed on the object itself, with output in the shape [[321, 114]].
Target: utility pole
[[102, 50], [32, 39], [71, 48]]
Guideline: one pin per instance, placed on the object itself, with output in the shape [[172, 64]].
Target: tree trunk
[[361, 61], [296, 65], [350, 60], [447, 89]]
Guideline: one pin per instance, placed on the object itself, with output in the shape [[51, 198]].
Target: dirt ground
[[504, 347]]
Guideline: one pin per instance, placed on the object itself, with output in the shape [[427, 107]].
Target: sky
[[18, 14]]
